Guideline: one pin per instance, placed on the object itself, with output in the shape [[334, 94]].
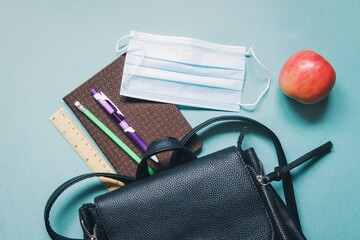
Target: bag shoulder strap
[[54, 196]]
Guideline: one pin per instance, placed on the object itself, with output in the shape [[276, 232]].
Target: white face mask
[[185, 71]]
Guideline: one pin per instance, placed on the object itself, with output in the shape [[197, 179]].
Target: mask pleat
[[184, 71]]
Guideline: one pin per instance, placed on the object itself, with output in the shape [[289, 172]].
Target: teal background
[[48, 48]]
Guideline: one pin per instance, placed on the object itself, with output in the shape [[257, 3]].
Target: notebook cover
[[151, 120]]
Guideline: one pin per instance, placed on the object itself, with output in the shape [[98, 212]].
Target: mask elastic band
[[124, 47], [252, 106]]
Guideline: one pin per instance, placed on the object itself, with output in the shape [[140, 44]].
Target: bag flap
[[212, 197]]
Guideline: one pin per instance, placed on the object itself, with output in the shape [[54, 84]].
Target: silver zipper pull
[[91, 236]]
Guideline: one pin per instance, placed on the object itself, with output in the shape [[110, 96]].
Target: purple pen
[[118, 116]]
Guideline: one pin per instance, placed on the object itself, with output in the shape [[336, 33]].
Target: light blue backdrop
[[48, 48]]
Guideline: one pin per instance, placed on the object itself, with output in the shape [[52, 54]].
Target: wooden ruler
[[84, 148]]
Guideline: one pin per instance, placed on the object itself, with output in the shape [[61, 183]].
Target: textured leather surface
[[251, 123], [213, 197]]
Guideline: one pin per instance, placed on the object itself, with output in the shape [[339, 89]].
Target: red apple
[[307, 77]]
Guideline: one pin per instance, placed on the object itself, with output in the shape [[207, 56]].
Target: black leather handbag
[[223, 195]]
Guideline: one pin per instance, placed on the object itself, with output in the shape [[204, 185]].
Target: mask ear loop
[[252, 106], [124, 48]]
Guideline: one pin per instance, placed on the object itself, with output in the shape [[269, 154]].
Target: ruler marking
[[80, 143]]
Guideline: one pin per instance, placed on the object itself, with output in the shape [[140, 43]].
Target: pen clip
[[101, 96]]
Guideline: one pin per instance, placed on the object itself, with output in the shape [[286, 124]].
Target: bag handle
[[286, 177], [54, 196], [163, 145]]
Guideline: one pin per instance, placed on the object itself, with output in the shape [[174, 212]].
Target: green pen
[[110, 134]]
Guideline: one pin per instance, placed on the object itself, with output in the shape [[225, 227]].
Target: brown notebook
[[150, 120]]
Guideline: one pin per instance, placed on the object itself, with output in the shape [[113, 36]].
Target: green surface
[[48, 48]]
